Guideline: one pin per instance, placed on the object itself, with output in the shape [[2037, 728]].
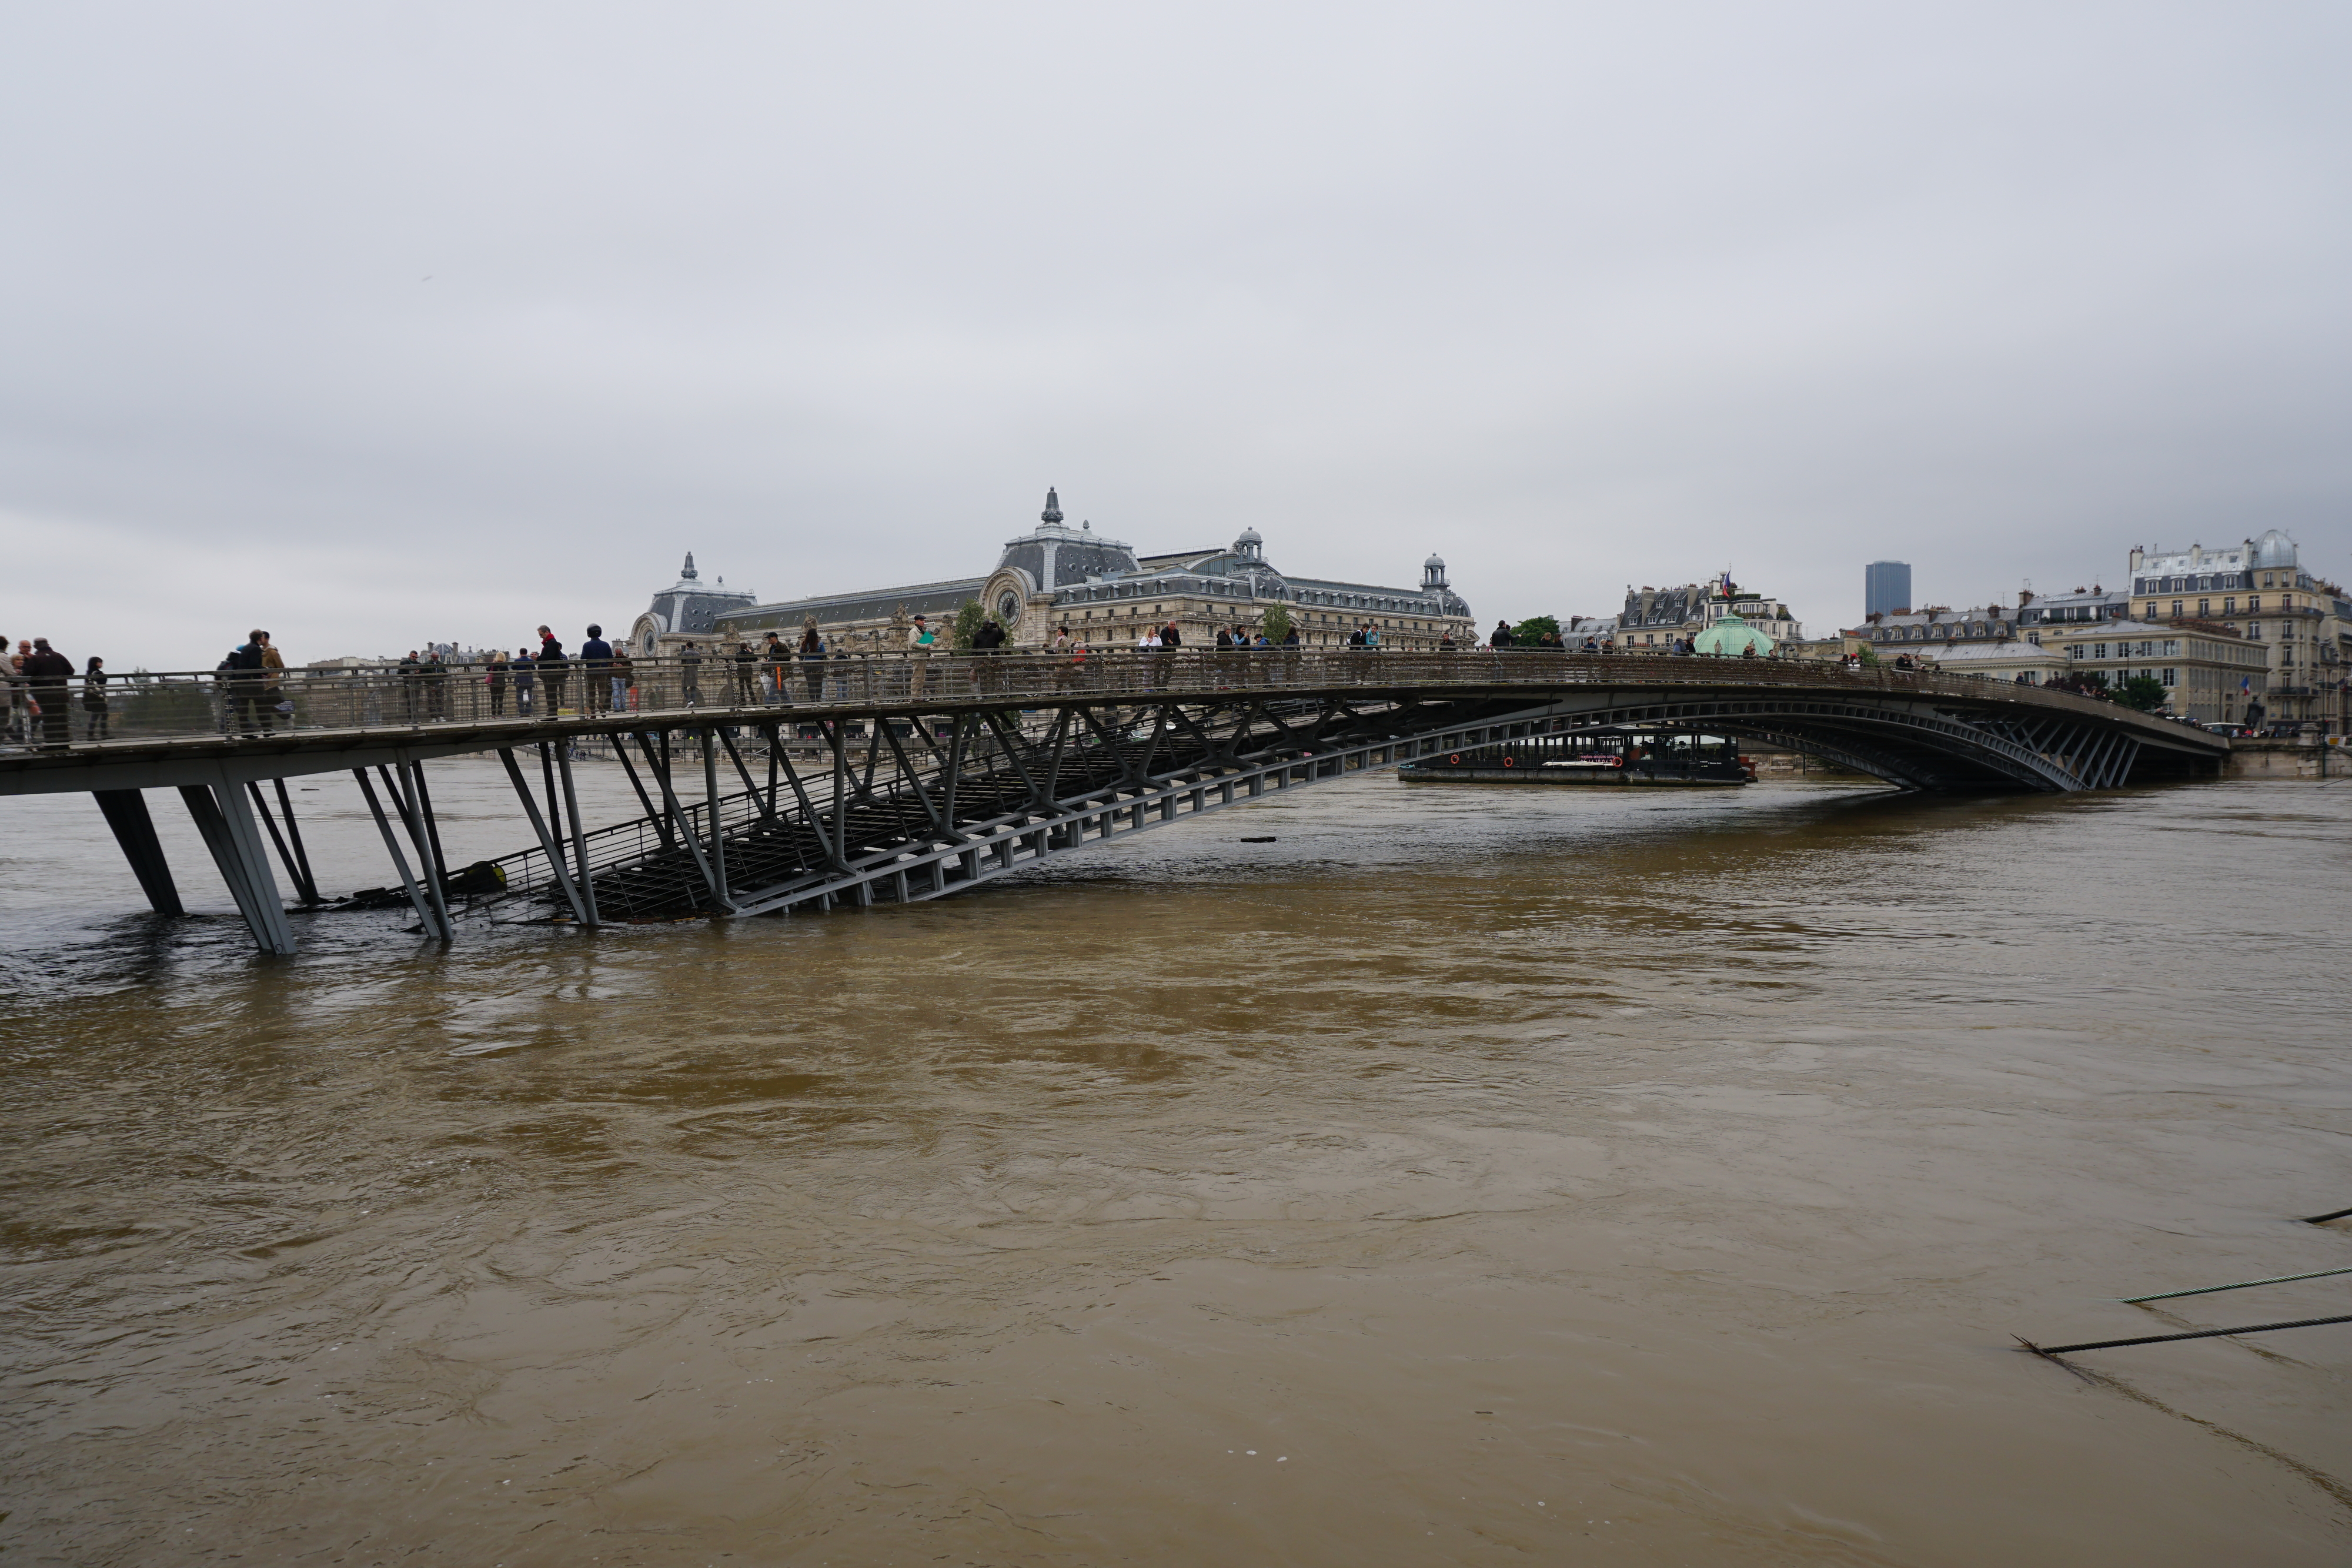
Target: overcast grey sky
[[369, 322]]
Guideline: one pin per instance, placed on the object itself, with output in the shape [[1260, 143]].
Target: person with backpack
[[554, 670], [249, 714], [45, 673], [94, 707]]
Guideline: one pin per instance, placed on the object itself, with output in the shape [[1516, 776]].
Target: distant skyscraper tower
[[1886, 587]]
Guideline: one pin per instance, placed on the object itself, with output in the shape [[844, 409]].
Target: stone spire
[[687, 573], [1053, 512]]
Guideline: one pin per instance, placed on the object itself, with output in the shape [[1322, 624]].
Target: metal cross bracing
[[956, 801], [960, 799], [925, 776]]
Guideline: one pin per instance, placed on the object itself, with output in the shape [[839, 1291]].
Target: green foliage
[[1277, 623], [2145, 692], [1530, 631], [970, 618]]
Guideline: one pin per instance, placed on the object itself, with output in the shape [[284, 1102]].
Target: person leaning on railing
[[95, 712], [247, 714], [273, 676], [625, 680], [774, 659], [920, 643], [433, 675], [595, 665], [811, 657], [554, 670], [11, 675]]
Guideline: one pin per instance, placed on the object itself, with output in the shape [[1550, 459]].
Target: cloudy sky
[[374, 322]]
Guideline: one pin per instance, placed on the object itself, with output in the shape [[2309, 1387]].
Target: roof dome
[[1434, 561], [2273, 549], [1732, 637]]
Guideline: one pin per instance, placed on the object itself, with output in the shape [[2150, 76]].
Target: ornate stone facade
[[1056, 575]]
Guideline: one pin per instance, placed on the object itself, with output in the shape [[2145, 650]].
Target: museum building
[[1056, 575]]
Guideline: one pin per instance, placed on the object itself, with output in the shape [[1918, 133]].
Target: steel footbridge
[[809, 785]]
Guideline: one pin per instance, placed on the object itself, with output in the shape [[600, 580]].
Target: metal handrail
[[148, 707]]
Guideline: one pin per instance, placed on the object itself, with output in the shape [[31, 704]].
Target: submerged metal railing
[[147, 707]]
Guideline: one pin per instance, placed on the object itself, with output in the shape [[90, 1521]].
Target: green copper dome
[[1732, 637]]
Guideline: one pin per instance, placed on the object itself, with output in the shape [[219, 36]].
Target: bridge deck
[[163, 724]]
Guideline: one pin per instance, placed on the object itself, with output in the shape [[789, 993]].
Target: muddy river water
[[1470, 1175]]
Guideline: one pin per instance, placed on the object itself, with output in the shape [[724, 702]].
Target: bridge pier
[[126, 812], [227, 823]]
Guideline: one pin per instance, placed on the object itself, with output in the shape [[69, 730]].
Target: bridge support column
[[428, 910], [547, 844], [580, 877], [296, 860], [227, 823], [126, 812]]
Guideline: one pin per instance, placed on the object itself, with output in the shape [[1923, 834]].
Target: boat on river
[[1602, 758]]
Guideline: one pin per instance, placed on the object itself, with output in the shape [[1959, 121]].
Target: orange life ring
[[1454, 760], [1507, 762]]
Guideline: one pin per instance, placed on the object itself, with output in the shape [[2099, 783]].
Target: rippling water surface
[[1470, 1175]]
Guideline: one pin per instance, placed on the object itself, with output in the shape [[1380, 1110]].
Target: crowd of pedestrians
[[46, 694]]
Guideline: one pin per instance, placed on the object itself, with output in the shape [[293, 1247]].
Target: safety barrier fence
[[146, 707]]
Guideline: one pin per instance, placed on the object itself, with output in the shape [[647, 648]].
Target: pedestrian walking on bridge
[[522, 671]]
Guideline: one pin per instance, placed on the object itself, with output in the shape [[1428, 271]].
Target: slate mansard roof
[[692, 605], [1078, 566]]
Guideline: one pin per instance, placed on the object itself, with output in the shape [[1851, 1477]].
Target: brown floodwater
[[1471, 1176]]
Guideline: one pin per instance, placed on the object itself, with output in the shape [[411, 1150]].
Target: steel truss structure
[[961, 799]]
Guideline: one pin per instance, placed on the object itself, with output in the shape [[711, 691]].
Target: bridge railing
[[145, 707]]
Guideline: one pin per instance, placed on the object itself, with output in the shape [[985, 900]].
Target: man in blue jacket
[[597, 655]]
